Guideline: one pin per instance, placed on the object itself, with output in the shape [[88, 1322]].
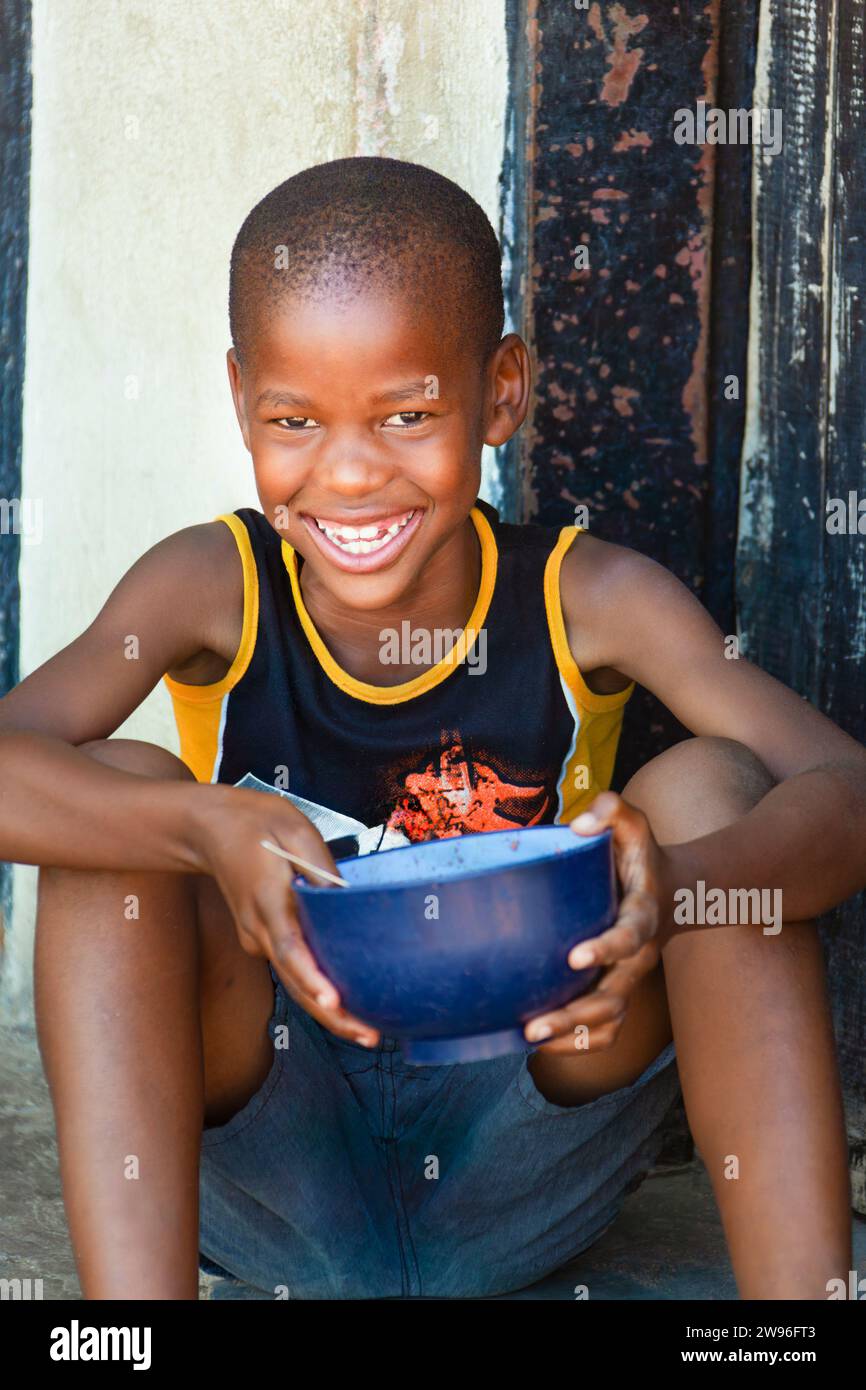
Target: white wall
[[156, 126]]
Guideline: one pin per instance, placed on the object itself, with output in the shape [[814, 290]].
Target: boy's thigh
[[236, 992], [583, 1077], [236, 1001]]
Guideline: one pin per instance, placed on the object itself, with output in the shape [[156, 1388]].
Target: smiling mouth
[[365, 545], [364, 540]]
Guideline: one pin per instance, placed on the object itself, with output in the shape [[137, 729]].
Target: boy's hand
[[630, 948], [257, 886]]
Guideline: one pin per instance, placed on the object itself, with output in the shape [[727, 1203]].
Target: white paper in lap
[[333, 825]]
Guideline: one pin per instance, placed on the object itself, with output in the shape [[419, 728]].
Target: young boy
[[368, 369]]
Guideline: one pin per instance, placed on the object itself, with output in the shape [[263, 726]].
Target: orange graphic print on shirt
[[462, 797]]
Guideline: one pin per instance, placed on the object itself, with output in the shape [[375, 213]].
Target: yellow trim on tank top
[[556, 623], [419, 685], [599, 716], [198, 708]]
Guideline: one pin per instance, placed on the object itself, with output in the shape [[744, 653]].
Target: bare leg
[[755, 1049], [146, 1025]]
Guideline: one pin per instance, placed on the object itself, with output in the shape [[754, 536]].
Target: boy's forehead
[[358, 336]]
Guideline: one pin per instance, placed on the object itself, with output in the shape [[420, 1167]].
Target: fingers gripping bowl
[[453, 945]]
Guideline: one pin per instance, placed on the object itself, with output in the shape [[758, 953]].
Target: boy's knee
[[698, 786], [127, 755], [725, 766], [134, 755]]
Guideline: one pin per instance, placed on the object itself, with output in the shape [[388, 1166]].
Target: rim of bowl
[[582, 842]]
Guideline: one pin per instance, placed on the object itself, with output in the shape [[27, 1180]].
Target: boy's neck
[[442, 599]]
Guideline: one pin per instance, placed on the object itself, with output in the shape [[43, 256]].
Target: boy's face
[[367, 416]]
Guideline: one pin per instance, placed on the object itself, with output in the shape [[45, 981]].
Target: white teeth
[[361, 540]]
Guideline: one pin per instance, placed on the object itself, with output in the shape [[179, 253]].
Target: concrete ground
[[666, 1244]]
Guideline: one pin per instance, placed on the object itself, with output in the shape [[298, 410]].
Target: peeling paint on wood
[[607, 175], [779, 557], [622, 59]]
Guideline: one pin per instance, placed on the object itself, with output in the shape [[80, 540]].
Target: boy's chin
[[366, 593]]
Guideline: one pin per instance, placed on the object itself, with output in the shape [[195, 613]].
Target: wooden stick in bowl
[[302, 864]]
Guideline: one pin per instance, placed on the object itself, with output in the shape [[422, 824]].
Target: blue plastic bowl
[[451, 946]]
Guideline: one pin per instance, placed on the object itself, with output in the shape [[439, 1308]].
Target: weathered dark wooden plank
[[620, 415], [800, 590], [729, 313], [15, 102], [515, 229], [780, 545], [15, 98], [619, 421]]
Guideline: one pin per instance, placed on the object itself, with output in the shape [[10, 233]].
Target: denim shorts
[[352, 1174]]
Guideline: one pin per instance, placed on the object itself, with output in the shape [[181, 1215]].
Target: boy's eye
[[406, 418]]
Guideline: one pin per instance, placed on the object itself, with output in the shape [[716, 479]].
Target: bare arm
[[807, 837], [57, 805]]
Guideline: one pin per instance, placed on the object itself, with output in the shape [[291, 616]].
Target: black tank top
[[499, 732]]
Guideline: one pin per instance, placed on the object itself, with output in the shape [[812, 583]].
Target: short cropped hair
[[352, 225]]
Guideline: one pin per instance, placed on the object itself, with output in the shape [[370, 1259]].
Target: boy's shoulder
[[205, 570], [602, 587], [597, 568], [202, 559], [601, 584], [204, 542]]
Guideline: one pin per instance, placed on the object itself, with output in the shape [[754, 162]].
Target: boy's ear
[[509, 382], [236, 382]]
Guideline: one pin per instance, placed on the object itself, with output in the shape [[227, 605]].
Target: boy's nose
[[350, 470]]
